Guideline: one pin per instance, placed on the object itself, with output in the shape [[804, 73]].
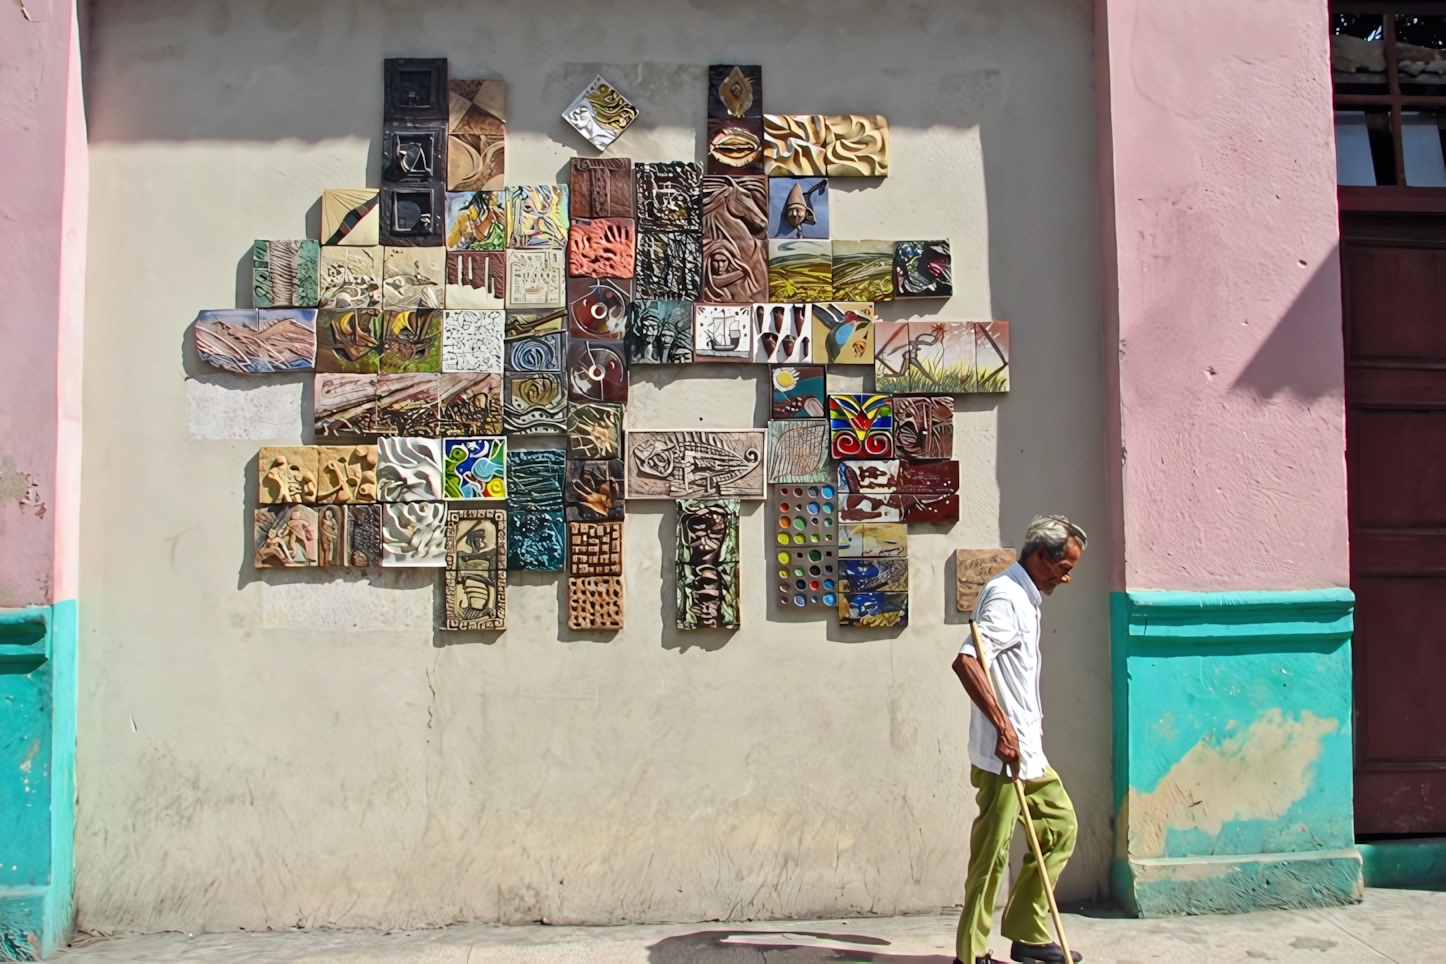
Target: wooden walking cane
[[1024, 809]]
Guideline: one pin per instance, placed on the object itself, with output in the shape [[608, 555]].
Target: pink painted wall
[[42, 232], [1224, 363]]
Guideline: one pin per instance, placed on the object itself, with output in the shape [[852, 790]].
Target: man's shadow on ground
[[742, 946]]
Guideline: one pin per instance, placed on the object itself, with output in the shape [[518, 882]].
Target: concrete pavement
[[1390, 925]]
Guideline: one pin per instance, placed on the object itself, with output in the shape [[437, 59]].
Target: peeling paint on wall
[[1256, 775], [20, 486]]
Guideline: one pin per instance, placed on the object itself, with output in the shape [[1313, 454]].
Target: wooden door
[[1394, 290]]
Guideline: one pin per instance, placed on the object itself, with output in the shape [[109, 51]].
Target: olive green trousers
[[1026, 916]]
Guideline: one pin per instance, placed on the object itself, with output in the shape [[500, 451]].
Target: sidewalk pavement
[[1391, 925]]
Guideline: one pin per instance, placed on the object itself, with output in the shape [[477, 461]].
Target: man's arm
[[971, 674]]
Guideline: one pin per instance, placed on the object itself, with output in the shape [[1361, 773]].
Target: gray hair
[[1051, 533]]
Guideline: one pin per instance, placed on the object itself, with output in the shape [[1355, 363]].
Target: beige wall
[[281, 748]]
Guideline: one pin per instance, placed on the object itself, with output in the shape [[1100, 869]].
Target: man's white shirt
[[1007, 613]]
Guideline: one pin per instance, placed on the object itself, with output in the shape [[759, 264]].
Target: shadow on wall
[[1293, 360], [800, 947]]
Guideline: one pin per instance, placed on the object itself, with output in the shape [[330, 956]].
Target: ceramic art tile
[[863, 270], [735, 239], [346, 474], [669, 266], [409, 469], [537, 217], [477, 221], [596, 371], [798, 391], [536, 540], [343, 405], [798, 451], [601, 248], [534, 404], [863, 426], [782, 334], [472, 341], [798, 208], [601, 187], [722, 333], [349, 216], [474, 468], [594, 603], [695, 463], [286, 474], [407, 404], [411, 341], [600, 113], [350, 277], [476, 279], [708, 595], [413, 277], [923, 269], [284, 536], [251, 342], [284, 274], [660, 332], [476, 135], [843, 333], [595, 431], [597, 308], [469, 403], [800, 271], [535, 279]]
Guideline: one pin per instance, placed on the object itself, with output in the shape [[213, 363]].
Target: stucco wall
[[302, 748]]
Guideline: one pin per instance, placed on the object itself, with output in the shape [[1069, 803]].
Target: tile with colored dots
[[806, 515], [807, 577]]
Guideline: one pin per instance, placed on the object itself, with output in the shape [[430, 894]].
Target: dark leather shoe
[[1050, 953]]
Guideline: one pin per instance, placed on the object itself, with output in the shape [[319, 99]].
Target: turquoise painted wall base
[[1233, 766], [37, 779], [1415, 864]]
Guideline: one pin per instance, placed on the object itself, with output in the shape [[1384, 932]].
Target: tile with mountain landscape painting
[[863, 270], [351, 277], [349, 216], [800, 270], [251, 342], [349, 340]]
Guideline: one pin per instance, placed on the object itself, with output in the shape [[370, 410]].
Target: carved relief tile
[[594, 603], [595, 431], [286, 474], [735, 90], [595, 548], [344, 405], [414, 156], [593, 491], [285, 536], [469, 403], [414, 215], [331, 536], [409, 469], [540, 353], [923, 426], [349, 216], [476, 135], [669, 266], [973, 568], [600, 113], [669, 196], [349, 340], [407, 404], [601, 187], [535, 279], [798, 207], [601, 248], [705, 463], [284, 274], [735, 145], [476, 279], [415, 90], [856, 145], [535, 540], [346, 474], [251, 342], [414, 534], [597, 371], [413, 277], [476, 580], [793, 145], [534, 480], [597, 308], [735, 239], [708, 596], [351, 277], [364, 535], [534, 404], [411, 341]]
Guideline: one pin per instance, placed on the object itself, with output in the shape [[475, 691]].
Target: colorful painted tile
[[923, 427], [708, 594], [798, 208], [474, 468], [793, 145], [735, 90], [595, 548], [540, 353], [931, 509], [600, 187], [863, 270], [285, 536], [991, 356], [669, 196], [807, 577], [600, 113], [413, 277], [407, 404], [873, 610], [351, 277], [923, 269], [843, 333], [669, 266], [735, 239], [926, 478], [477, 221], [525, 324], [250, 342], [806, 515], [869, 476], [346, 474], [782, 334], [895, 368], [856, 145], [799, 391], [943, 356], [343, 405], [973, 568], [597, 371], [593, 490], [286, 474], [798, 451], [535, 279], [284, 274], [597, 308], [469, 403], [696, 464], [873, 575], [535, 480], [601, 248], [364, 535], [472, 341], [536, 541], [800, 271], [414, 215], [349, 216], [660, 332], [595, 431], [411, 341], [867, 540], [856, 507], [534, 404], [414, 534], [594, 603], [735, 145], [537, 217], [476, 135], [722, 333], [409, 469], [476, 279], [476, 578], [863, 426]]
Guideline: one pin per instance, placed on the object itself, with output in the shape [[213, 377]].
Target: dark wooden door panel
[[1400, 801], [1401, 665], [1399, 460], [1394, 299]]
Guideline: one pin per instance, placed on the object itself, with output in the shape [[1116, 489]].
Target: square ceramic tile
[[600, 113], [349, 216], [472, 341]]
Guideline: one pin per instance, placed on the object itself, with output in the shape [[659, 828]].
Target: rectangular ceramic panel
[[537, 217], [798, 451], [923, 427], [601, 187], [708, 596], [477, 221], [991, 356], [595, 431], [414, 215], [472, 341], [601, 248], [331, 535], [722, 333], [414, 534], [407, 404], [867, 540], [285, 274], [524, 324], [735, 90], [534, 480], [284, 536], [863, 270], [351, 277], [697, 464], [286, 474], [798, 208], [863, 426], [800, 271], [474, 468], [873, 575], [735, 145], [597, 308], [973, 568], [251, 342], [343, 405], [782, 334], [536, 541], [856, 145], [409, 469], [476, 579], [476, 279], [807, 577], [843, 333], [411, 341], [595, 548], [364, 535], [594, 603], [735, 239], [873, 610], [931, 509], [346, 474], [793, 145], [413, 277], [600, 113], [806, 515], [669, 196], [415, 90], [535, 279], [923, 269], [593, 491], [856, 507], [476, 135], [869, 476], [928, 478], [669, 266], [534, 404], [349, 216], [799, 391], [469, 403], [597, 371], [660, 332], [540, 353]]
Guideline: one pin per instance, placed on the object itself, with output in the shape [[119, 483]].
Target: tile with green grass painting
[[991, 357], [941, 356]]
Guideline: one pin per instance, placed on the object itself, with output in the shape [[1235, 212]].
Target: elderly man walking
[[1006, 734]]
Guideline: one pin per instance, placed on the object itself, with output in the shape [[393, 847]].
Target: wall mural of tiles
[[445, 311]]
